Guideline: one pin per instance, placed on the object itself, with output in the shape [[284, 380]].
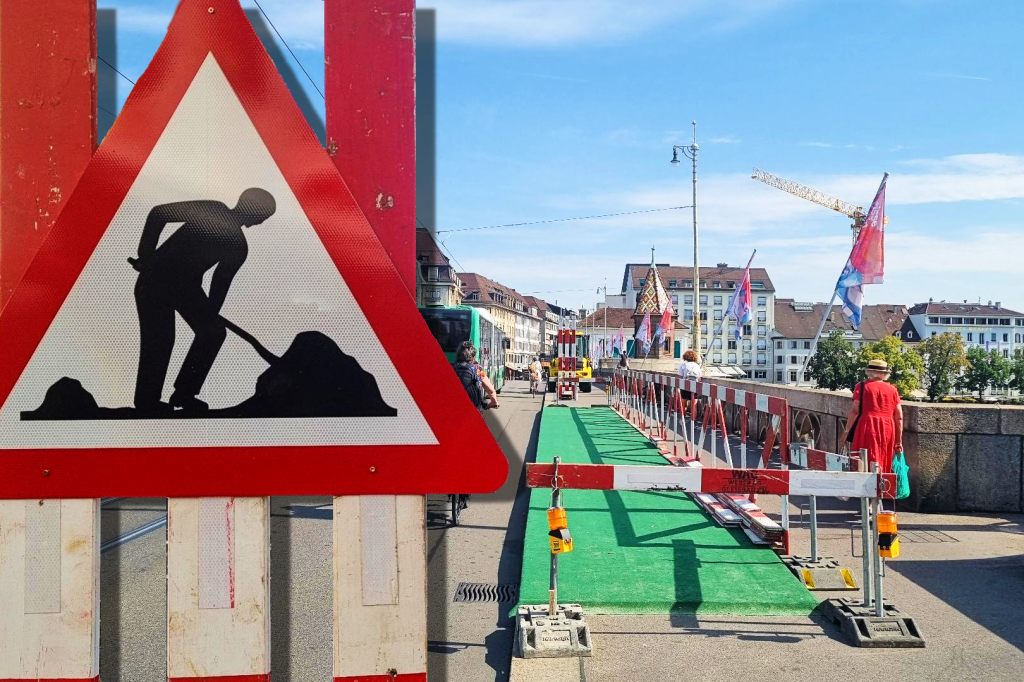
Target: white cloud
[[725, 139]]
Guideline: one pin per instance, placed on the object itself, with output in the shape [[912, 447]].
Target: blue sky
[[554, 109]]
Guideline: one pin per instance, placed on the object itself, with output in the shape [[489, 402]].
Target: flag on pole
[[866, 263], [643, 334], [664, 324], [618, 341], [741, 304]]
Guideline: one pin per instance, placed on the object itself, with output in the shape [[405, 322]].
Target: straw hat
[[878, 365]]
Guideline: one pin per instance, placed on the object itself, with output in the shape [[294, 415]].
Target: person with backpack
[[474, 379]]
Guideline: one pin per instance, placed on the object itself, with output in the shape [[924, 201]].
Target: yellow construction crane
[[820, 198]]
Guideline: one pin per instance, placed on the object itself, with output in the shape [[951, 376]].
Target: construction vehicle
[[584, 373], [811, 194]]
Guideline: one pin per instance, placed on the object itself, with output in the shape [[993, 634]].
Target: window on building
[[718, 300], [762, 330], [760, 374], [807, 345], [762, 315], [704, 344], [718, 314], [756, 284], [639, 284], [792, 377], [732, 344], [730, 285], [747, 345], [716, 284], [1006, 352], [792, 344], [793, 360], [762, 300], [703, 299], [704, 326], [704, 315], [746, 330], [762, 359], [688, 299], [992, 336], [944, 320], [717, 358], [762, 344], [746, 359], [993, 321], [687, 283], [688, 314], [807, 377], [779, 345], [1006, 338], [933, 320], [732, 358], [778, 376], [970, 336], [958, 320], [672, 283], [1016, 338], [675, 301], [779, 359]]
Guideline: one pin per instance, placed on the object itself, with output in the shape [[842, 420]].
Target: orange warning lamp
[[888, 537], [558, 531]]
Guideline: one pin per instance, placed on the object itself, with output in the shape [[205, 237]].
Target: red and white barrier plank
[[700, 479]]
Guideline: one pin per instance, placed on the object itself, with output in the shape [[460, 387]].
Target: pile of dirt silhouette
[[314, 378]]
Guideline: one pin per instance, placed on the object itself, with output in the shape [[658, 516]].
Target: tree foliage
[[1017, 372], [985, 369], [944, 358], [906, 365], [833, 365]]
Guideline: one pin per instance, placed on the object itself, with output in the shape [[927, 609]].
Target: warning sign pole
[[49, 551], [380, 603]]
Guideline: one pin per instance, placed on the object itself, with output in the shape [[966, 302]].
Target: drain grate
[[486, 592], [924, 536]]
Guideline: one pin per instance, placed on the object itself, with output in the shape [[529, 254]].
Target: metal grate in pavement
[[925, 536], [486, 592]]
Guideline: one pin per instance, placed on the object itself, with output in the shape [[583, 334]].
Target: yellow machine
[[584, 373]]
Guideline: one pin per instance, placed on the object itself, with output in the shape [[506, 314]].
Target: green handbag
[[902, 471]]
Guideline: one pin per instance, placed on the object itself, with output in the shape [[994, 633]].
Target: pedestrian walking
[[690, 369], [875, 422], [473, 377]]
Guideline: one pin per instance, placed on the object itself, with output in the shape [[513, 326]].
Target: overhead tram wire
[[115, 70], [440, 242], [563, 220], [290, 51]]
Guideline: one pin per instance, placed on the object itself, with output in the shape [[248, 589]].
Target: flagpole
[[817, 335], [721, 323]]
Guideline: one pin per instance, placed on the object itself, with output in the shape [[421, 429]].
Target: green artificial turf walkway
[[644, 552]]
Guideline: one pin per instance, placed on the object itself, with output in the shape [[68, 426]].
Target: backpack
[[471, 382]]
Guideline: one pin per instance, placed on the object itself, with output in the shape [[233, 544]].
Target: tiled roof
[[959, 309], [427, 252], [472, 281], [652, 298], [540, 304], [679, 273], [617, 317], [877, 321]]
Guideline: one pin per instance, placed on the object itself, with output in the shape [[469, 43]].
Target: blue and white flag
[[643, 334]]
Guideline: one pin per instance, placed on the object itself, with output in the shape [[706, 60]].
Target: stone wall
[[961, 457]]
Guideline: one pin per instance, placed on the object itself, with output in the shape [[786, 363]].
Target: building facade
[[988, 326], [518, 320], [437, 283], [752, 351], [796, 323]]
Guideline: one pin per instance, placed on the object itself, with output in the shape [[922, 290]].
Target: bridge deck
[[644, 552]]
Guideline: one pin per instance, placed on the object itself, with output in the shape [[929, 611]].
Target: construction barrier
[[682, 416], [567, 384]]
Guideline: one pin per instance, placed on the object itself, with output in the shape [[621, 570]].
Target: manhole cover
[[486, 592]]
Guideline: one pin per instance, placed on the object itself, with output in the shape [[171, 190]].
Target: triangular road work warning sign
[[213, 315]]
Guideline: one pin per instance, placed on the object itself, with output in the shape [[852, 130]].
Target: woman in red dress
[[879, 425]]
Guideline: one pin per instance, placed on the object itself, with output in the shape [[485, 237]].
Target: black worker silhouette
[[313, 378], [171, 280]]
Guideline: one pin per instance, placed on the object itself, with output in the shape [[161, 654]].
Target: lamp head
[[675, 155]]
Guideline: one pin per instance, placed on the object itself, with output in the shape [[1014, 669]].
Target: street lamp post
[[690, 152]]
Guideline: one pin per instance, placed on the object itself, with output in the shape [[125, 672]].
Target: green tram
[[455, 324]]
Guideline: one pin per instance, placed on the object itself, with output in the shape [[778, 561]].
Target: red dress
[[876, 429]]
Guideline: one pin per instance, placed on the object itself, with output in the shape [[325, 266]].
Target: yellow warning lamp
[[558, 531], [888, 538]]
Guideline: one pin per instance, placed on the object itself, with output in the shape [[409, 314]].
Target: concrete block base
[[893, 630], [541, 635]]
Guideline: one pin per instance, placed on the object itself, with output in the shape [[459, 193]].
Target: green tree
[[904, 363], [1017, 372], [985, 369], [833, 365], [944, 358]]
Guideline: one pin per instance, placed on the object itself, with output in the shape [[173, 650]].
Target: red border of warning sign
[[467, 458]]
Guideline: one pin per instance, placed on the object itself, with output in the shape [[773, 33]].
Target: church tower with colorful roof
[[653, 300]]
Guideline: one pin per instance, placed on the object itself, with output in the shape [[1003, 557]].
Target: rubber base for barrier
[[860, 625], [823, 574], [541, 635]]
